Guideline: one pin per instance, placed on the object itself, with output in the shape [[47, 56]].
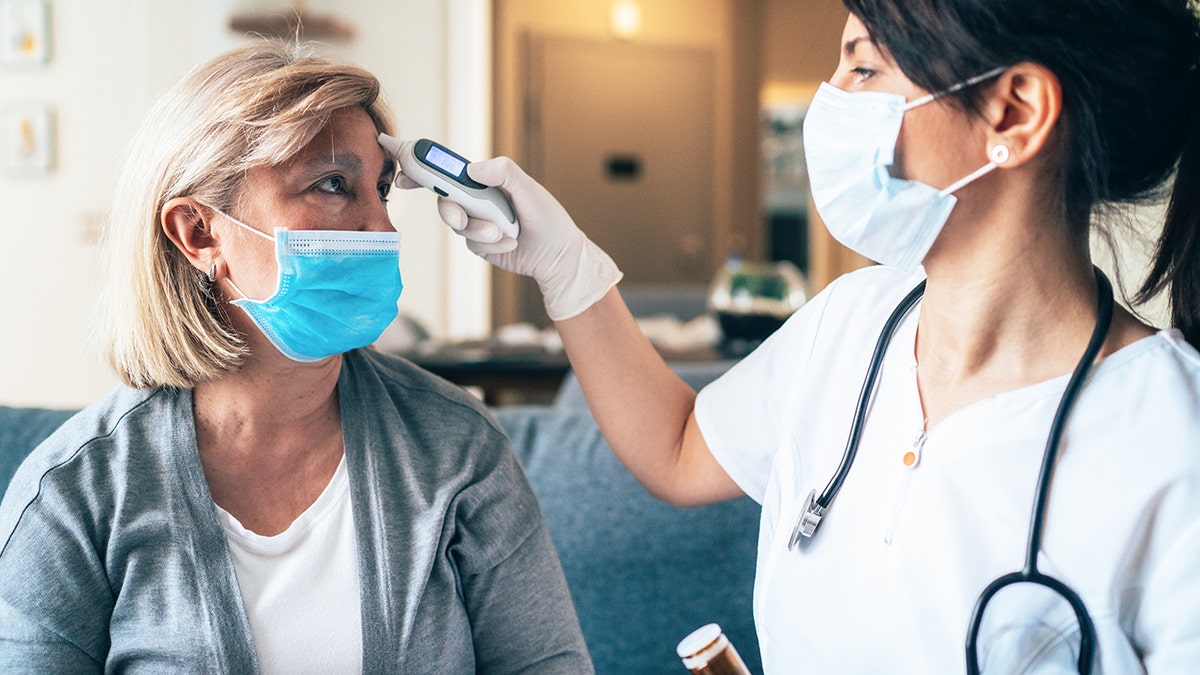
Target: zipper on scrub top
[[910, 460]]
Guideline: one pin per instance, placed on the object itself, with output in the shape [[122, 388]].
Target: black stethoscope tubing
[[810, 519]]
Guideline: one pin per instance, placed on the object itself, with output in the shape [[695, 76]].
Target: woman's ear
[[185, 224], [1023, 109]]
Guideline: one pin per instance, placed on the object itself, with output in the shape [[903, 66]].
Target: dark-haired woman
[[965, 144]]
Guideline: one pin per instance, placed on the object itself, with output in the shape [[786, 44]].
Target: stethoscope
[[816, 507]]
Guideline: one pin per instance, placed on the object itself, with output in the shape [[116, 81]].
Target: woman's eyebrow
[[852, 44]]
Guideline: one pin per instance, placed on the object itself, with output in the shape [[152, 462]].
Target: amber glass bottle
[[708, 652]]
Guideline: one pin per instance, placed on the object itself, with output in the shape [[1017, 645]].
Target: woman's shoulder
[[110, 420], [848, 314], [881, 278], [1162, 369], [1146, 396], [91, 452]]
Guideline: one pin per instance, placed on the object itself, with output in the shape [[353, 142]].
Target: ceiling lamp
[[625, 19]]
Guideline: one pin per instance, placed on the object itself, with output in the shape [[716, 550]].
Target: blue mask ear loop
[[246, 227]]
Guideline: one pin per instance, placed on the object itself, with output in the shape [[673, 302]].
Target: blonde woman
[[263, 495]]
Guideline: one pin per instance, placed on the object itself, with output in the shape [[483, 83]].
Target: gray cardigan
[[112, 557]]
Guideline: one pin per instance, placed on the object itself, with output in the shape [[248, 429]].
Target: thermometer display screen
[[445, 161]]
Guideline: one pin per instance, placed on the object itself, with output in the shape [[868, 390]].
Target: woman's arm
[[522, 619], [27, 646], [644, 410], [1167, 628], [512, 584], [54, 598]]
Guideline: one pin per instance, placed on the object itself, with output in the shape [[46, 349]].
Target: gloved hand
[[571, 271]]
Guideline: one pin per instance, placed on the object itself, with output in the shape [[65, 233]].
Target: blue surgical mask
[[849, 143], [336, 291]]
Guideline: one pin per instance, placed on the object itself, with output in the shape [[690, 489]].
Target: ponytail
[[1177, 261]]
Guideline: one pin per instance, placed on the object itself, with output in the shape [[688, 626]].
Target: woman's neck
[[269, 395], [1013, 304], [269, 437]]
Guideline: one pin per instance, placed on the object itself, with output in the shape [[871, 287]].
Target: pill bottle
[[708, 652]]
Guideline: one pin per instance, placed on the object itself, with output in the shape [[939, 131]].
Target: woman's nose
[[376, 218]]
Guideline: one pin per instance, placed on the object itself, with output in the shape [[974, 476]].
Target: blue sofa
[[642, 574]]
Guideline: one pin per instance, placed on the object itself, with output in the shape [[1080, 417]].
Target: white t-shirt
[[888, 583], [301, 587]]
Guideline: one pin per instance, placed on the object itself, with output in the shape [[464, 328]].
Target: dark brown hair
[[1131, 101]]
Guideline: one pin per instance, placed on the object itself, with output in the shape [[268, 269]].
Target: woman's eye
[[862, 74], [334, 185], [384, 190]]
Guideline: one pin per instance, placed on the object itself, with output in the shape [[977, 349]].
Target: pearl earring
[[998, 154]]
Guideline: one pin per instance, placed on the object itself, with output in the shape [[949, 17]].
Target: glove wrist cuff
[[580, 284]]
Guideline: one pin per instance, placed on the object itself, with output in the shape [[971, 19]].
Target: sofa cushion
[[643, 574]]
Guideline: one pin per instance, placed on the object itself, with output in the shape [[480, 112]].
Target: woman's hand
[[571, 271]]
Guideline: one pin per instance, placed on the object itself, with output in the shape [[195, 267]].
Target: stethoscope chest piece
[[807, 524]]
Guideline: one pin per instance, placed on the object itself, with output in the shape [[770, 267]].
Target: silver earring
[[212, 273], [998, 154]]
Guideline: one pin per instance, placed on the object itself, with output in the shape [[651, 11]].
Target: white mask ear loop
[[996, 151], [237, 290], [998, 155], [244, 226], [970, 82]]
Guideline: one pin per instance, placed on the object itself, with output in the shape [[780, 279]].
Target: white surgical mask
[[849, 143]]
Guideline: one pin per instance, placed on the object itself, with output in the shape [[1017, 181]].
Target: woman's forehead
[[347, 141], [855, 30], [858, 41]]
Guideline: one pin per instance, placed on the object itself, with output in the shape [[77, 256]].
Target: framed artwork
[[27, 136], [24, 32]]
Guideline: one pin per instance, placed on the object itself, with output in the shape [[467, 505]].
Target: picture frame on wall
[[24, 32], [28, 135]]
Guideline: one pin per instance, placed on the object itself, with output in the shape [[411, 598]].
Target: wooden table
[[512, 375]]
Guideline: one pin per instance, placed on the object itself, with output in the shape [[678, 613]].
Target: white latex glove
[[571, 271]]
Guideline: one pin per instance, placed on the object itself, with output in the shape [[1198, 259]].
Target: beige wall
[[111, 58], [727, 28]]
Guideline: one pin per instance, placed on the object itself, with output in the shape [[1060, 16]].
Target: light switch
[[28, 139]]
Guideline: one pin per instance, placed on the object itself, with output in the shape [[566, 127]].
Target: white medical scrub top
[[888, 583]]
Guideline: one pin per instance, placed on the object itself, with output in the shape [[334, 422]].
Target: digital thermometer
[[436, 167]]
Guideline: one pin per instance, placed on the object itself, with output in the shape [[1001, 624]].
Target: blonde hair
[[159, 322]]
